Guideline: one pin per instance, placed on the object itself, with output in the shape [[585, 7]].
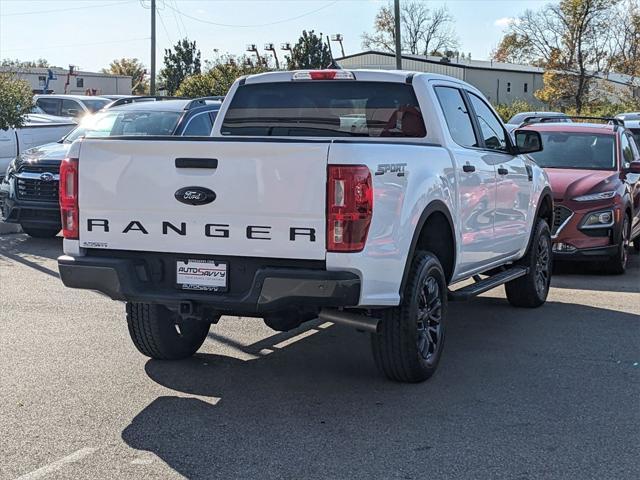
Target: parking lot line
[[58, 464]]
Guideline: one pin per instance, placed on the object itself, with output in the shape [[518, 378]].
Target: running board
[[475, 289]]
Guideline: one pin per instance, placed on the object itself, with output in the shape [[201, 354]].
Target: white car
[[290, 213], [75, 106], [631, 122]]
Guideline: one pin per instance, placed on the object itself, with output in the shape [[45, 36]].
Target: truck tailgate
[[269, 196]]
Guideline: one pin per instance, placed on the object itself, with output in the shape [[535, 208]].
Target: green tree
[[131, 67], [219, 78], [310, 52], [179, 63], [16, 99], [40, 63]]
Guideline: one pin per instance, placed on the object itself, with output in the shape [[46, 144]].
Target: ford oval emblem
[[195, 195]]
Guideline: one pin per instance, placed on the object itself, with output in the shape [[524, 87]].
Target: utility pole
[[396, 9], [153, 47]]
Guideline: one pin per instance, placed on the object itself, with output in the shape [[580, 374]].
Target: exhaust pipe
[[360, 322]]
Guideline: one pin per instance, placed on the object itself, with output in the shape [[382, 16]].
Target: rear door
[[265, 198], [476, 181], [514, 183]]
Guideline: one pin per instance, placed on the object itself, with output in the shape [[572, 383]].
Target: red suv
[[594, 170]]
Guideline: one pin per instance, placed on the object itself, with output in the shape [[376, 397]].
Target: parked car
[[522, 118], [594, 171], [33, 133], [75, 106], [293, 211], [631, 122], [37, 115], [29, 191]]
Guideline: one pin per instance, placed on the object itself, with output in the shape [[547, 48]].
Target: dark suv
[[29, 190]]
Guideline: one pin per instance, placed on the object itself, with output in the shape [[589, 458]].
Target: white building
[[499, 82], [79, 83]]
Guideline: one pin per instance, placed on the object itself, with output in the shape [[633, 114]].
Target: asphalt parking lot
[[520, 394]]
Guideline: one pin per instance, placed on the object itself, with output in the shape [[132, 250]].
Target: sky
[[91, 33]]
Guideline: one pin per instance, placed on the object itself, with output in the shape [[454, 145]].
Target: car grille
[[560, 215], [55, 169], [37, 190]]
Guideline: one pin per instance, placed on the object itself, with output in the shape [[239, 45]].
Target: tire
[[531, 290], [159, 333], [618, 264], [40, 232], [411, 338]]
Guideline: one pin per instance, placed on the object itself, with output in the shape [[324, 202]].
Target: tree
[[423, 31], [131, 67], [40, 63], [569, 40], [310, 52], [219, 78], [16, 99], [625, 43], [178, 65]]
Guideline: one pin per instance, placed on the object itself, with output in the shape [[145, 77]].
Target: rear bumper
[[264, 288]]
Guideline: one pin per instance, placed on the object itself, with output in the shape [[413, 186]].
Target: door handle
[[468, 168], [502, 171], [211, 163]]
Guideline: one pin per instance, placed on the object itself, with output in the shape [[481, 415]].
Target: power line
[[64, 9], [184, 28], [164, 27], [255, 25]]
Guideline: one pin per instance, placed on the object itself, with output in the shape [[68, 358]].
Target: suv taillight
[[349, 207], [69, 197]]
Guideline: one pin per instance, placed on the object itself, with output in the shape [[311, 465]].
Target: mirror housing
[[634, 167], [527, 141]]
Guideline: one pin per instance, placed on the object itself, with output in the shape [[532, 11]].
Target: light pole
[[269, 47], [152, 86], [338, 38], [396, 10]]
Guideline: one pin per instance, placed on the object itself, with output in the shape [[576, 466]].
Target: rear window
[[325, 109], [583, 151], [636, 135]]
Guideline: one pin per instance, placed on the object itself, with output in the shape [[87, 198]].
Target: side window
[[492, 130], [457, 116], [199, 126], [71, 108], [627, 151], [49, 105]]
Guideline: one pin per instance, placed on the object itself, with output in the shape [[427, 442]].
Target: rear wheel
[[159, 333], [409, 345], [40, 232], [531, 290], [618, 264]]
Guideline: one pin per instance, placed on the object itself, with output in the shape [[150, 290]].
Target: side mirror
[[634, 167], [527, 141]]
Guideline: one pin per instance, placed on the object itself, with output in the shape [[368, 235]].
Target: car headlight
[[595, 196], [601, 219]]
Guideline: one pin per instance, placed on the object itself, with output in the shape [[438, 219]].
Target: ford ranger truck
[[358, 197]]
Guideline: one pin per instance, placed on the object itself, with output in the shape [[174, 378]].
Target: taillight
[[69, 197], [349, 207]]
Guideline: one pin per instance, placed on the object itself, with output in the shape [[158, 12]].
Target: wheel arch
[[544, 210], [435, 213]]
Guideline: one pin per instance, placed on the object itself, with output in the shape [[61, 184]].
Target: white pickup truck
[[359, 197]]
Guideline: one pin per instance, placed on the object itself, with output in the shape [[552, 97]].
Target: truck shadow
[[317, 408], [592, 276], [30, 251]]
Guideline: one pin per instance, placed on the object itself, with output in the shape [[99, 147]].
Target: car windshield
[[325, 109], [112, 123], [96, 104], [583, 151]]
